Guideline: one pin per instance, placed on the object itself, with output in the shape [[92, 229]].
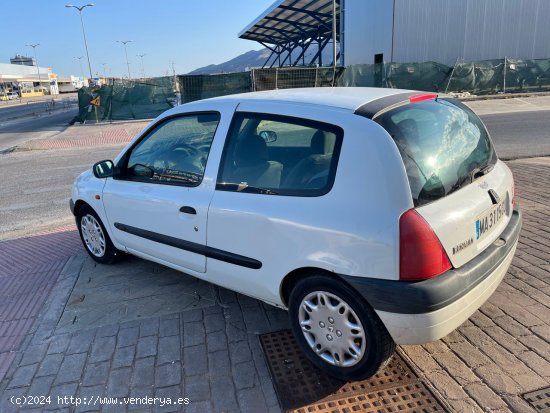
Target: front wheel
[[94, 236], [337, 330]]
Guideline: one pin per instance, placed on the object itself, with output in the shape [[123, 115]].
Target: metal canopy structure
[[290, 27]]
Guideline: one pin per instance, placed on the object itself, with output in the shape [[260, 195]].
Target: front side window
[[279, 155], [175, 151], [444, 146]]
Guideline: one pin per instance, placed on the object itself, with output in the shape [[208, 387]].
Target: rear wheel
[[94, 236], [337, 330]]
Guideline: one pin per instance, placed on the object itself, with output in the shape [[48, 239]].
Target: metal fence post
[[451, 77], [253, 79], [276, 78], [316, 77], [474, 75], [111, 101], [504, 80]]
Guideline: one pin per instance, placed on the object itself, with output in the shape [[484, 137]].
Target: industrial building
[[27, 80], [404, 31]]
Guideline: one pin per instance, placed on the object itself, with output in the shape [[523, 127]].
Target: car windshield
[[444, 146]]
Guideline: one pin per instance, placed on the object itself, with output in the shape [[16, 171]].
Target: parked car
[[375, 216], [4, 96]]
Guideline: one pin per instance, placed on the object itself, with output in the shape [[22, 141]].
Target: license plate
[[489, 220]]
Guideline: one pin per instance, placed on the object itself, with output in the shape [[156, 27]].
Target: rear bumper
[[424, 311]]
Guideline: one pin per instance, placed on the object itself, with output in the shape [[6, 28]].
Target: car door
[[270, 208], [158, 202]]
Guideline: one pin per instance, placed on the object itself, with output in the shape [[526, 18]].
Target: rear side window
[[279, 155], [444, 146]]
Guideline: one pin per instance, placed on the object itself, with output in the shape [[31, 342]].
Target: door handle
[[188, 210]]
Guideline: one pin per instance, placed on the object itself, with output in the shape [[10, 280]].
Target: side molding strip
[[205, 250]]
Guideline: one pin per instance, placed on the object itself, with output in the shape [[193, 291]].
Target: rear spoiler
[[372, 109]]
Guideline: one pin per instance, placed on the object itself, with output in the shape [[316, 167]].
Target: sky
[[190, 33]]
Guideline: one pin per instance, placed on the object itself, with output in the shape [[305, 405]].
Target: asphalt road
[[17, 131], [9, 112], [35, 185], [34, 106], [520, 134]]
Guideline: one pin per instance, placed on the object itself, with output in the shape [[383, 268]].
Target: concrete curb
[[115, 122]]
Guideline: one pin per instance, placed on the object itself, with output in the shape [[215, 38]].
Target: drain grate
[[539, 399], [303, 388]]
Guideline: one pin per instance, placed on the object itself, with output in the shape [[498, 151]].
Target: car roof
[[339, 97]]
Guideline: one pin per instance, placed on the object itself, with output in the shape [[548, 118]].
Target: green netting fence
[[197, 87], [123, 99], [146, 99], [477, 78]]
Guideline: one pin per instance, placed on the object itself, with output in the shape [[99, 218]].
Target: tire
[[321, 310], [95, 237]]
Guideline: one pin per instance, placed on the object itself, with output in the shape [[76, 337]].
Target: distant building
[[68, 84], [27, 80], [23, 60]]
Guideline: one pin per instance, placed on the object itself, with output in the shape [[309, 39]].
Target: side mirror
[[268, 136], [142, 171], [103, 169]]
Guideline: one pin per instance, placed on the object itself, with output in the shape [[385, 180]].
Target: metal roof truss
[[294, 24]]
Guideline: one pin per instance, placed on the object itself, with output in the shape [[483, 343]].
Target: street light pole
[[125, 42], [104, 70], [80, 8], [34, 46], [142, 67]]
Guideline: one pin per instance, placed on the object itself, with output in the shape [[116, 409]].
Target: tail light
[[513, 192], [421, 255]]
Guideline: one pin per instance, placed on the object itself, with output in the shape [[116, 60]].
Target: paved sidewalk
[[108, 331], [210, 355], [510, 104], [29, 268], [89, 135]]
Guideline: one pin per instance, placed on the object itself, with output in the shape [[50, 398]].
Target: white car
[[375, 216]]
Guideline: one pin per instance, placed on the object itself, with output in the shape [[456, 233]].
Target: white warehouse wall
[[367, 30], [445, 30]]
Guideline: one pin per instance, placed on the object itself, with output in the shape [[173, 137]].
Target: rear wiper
[[477, 172], [459, 183], [470, 177]]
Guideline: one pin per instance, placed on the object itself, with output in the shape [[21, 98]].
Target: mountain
[[255, 59]]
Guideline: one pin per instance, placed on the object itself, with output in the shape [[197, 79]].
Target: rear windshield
[[444, 146]]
